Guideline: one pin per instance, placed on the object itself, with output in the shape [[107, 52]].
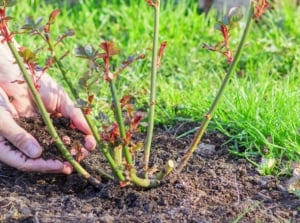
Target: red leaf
[[53, 15], [225, 33], [135, 122], [125, 100], [90, 98], [160, 53], [260, 7], [109, 49]]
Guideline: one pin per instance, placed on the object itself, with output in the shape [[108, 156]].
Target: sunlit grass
[[261, 107]]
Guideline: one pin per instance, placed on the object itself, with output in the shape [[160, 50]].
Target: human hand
[[16, 101]]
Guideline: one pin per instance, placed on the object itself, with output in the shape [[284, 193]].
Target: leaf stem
[[199, 134]]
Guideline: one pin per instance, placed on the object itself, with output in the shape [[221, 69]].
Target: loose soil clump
[[214, 187]]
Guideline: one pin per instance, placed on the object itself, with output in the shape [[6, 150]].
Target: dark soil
[[214, 187]]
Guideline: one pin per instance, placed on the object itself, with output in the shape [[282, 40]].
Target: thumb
[[21, 139]]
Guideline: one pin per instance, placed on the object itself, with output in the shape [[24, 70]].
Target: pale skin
[[16, 101]]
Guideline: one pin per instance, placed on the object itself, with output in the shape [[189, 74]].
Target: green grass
[[261, 108]]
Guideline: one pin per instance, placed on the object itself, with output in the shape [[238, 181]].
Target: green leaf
[[80, 103], [235, 14], [87, 52], [218, 26], [30, 24], [27, 55], [38, 21], [225, 20]]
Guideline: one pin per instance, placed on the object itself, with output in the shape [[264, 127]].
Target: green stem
[[119, 118], [152, 89], [146, 183], [88, 119], [105, 151], [63, 71], [63, 150], [213, 107]]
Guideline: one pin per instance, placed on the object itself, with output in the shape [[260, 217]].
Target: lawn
[[260, 110]]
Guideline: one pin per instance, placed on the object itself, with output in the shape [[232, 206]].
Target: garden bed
[[214, 187]]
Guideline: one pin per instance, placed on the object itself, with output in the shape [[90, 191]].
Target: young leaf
[[103, 117], [27, 55], [86, 52], [235, 14], [38, 21], [109, 48], [80, 103], [225, 20], [29, 23], [90, 51], [53, 15], [125, 100], [32, 25]]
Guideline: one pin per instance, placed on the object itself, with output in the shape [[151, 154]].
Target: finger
[[16, 159], [57, 101], [21, 139], [90, 142], [5, 103], [12, 82]]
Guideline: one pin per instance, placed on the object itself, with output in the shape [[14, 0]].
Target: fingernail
[[34, 151], [67, 169], [90, 142]]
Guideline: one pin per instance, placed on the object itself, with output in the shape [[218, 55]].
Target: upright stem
[[152, 88], [105, 151], [120, 121], [88, 119], [63, 150], [208, 116]]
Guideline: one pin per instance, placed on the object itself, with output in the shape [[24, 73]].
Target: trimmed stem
[[63, 150], [168, 168], [213, 107], [152, 89], [119, 118]]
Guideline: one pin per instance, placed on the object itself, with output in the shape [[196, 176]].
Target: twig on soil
[[251, 208], [5, 205], [36, 220], [188, 132]]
